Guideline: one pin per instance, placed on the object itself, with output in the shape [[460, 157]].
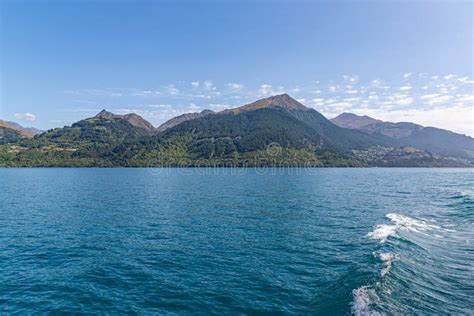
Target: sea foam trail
[[364, 297], [382, 232], [401, 222], [387, 258]]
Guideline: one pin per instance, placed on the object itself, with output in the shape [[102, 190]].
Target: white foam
[[364, 297], [382, 232], [387, 258], [408, 223], [401, 222]]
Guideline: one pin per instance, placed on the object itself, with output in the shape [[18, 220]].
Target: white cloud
[[429, 96], [341, 105], [159, 106], [267, 90], [193, 107], [376, 82], [404, 101], [172, 90], [25, 116], [295, 90], [351, 79], [427, 93], [202, 96], [465, 80], [219, 106], [469, 98], [432, 99], [235, 86], [208, 85], [330, 101], [146, 93], [352, 100]]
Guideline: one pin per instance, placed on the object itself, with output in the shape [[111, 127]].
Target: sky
[[62, 61]]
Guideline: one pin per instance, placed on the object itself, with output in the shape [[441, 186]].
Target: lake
[[241, 241]]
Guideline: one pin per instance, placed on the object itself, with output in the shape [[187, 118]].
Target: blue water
[[248, 241]]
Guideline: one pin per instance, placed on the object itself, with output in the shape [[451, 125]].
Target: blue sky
[[62, 61]]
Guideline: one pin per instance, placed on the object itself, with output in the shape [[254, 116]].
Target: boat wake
[[365, 298], [400, 223]]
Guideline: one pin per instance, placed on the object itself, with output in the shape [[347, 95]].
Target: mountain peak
[[104, 114], [281, 101], [134, 119], [352, 115], [354, 121], [287, 102], [282, 97]]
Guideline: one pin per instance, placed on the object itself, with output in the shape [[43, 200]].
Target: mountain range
[[434, 140], [13, 132], [276, 131]]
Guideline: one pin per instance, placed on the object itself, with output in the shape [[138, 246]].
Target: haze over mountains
[[242, 137]]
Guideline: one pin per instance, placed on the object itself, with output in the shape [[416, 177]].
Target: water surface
[[324, 241]]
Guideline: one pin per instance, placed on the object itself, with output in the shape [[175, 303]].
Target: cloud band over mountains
[[444, 101]]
